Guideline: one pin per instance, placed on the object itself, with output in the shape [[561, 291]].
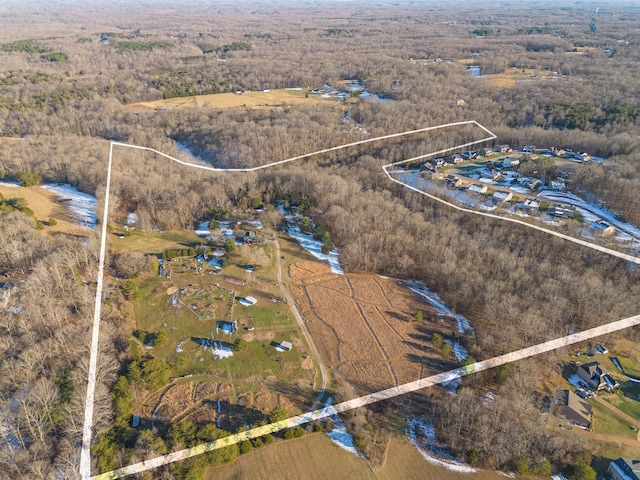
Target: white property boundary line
[[373, 398], [85, 459]]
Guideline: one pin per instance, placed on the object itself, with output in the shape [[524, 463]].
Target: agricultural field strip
[[374, 397], [85, 459], [379, 342]]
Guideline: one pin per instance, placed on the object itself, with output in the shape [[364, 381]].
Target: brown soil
[[263, 398], [203, 414], [204, 390], [176, 401]]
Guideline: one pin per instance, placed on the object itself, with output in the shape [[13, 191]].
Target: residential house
[[558, 185], [457, 158], [624, 469], [286, 346], [563, 211], [597, 377], [510, 162], [439, 162], [504, 149], [569, 406], [485, 152], [475, 188], [501, 196], [558, 152], [531, 204], [529, 148]]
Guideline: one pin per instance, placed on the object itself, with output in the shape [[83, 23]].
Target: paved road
[[305, 331]]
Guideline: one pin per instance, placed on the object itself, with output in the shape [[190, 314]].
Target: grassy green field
[[625, 400], [315, 456], [154, 242], [629, 366], [608, 423], [203, 298]]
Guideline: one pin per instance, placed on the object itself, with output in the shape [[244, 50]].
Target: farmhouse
[[597, 377], [624, 469], [569, 406], [286, 346]]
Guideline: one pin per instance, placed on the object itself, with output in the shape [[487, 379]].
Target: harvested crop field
[[264, 99], [365, 325]]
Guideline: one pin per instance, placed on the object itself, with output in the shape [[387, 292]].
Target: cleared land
[[272, 98], [307, 458], [365, 324], [187, 305], [46, 205]]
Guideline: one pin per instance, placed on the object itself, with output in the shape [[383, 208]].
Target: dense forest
[[69, 76]]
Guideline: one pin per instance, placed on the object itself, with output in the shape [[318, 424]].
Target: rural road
[[305, 331]]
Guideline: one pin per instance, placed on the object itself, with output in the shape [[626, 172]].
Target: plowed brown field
[[365, 326]]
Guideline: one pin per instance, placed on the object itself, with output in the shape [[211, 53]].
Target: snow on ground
[[203, 229], [179, 347], [82, 205], [458, 350], [132, 218], [314, 247], [434, 300], [422, 435], [519, 189], [453, 384], [558, 476], [220, 351], [616, 363], [339, 434], [9, 184]]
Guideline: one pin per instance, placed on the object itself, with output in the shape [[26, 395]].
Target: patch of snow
[[314, 247], [616, 363], [221, 351], [519, 189], [458, 350], [422, 435], [82, 205], [9, 184], [339, 434], [434, 300], [203, 229], [558, 476], [131, 218], [453, 384], [179, 347]]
